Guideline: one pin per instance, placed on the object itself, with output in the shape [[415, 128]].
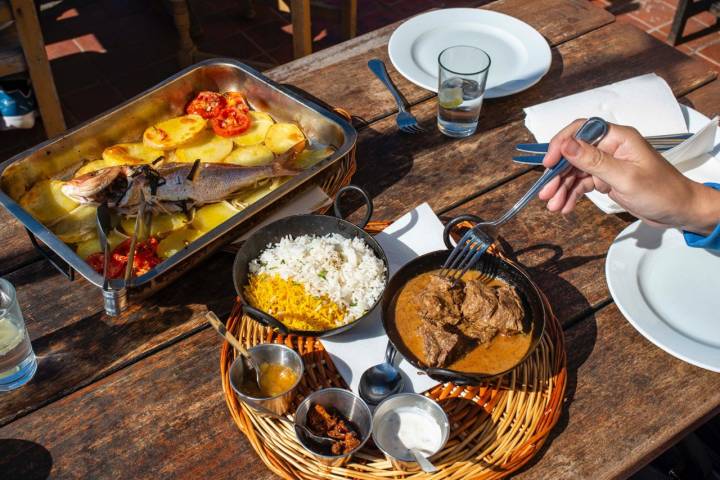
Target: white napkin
[[645, 102], [416, 233]]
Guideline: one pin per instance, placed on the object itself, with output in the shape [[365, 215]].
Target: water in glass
[[462, 76], [17, 360], [459, 104]]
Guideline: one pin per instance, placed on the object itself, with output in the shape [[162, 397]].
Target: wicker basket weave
[[496, 427]]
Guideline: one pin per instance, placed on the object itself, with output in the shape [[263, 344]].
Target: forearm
[[703, 214]]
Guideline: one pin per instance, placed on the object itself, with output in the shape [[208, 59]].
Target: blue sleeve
[[712, 241]]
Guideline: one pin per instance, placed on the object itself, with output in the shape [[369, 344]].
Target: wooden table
[[139, 396]]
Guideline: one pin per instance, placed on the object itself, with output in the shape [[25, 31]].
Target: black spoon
[[382, 380]]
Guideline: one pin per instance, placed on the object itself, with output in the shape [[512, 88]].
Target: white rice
[[345, 270]]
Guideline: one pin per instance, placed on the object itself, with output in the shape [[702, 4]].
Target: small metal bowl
[[349, 406], [267, 353], [383, 422]]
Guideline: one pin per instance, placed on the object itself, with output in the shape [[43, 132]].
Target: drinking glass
[[461, 86], [17, 359]]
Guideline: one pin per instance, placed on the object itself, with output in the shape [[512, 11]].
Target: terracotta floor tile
[[633, 20], [61, 49], [74, 72], [654, 12], [87, 103], [706, 18], [695, 35], [711, 52], [131, 84], [89, 43]]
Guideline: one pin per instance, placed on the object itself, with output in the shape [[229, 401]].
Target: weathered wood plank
[[340, 77], [628, 401], [16, 247], [402, 170], [162, 417], [706, 99], [77, 343], [564, 254]]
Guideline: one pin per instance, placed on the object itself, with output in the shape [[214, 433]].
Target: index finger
[[553, 154]]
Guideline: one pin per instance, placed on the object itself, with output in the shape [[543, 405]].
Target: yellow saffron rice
[[289, 302]]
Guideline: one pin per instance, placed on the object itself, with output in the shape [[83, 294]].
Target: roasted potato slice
[[251, 156], [176, 241], [88, 247], [166, 223], [248, 198], [207, 147], [210, 216], [281, 137], [130, 154], [174, 132], [46, 202], [77, 226], [260, 122]]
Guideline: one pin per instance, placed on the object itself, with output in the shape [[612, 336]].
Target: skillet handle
[[366, 198], [444, 376], [453, 223], [264, 318]]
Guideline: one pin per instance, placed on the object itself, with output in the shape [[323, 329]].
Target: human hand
[[633, 174]]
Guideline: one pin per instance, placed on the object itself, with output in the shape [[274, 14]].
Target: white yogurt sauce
[[409, 428]]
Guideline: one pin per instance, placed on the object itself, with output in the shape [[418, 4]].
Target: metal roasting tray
[[127, 122]]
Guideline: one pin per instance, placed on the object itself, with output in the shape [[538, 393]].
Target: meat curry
[[473, 326]]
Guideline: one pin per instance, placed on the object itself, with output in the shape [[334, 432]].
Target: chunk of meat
[[440, 345], [442, 301], [489, 310], [331, 424], [509, 314]]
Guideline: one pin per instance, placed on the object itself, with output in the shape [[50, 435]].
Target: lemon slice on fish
[[450, 97]]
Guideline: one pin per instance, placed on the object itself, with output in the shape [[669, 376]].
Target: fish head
[[97, 186]]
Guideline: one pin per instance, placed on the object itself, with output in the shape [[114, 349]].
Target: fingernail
[[571, 148]]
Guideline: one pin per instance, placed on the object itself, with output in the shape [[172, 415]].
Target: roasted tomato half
[[236, 100], [207, 104], [230, 122]]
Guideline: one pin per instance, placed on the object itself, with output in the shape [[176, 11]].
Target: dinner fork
[[405, 120], [478, 239], [659, 142]]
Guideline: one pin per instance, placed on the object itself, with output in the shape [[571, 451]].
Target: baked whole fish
[[171, 187]]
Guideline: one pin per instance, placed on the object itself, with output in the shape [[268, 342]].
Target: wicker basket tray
[[496, 427]]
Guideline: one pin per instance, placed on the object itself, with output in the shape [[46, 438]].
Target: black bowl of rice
[[311, 275]]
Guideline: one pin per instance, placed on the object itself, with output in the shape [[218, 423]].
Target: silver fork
[[478, 239], [406, 122]]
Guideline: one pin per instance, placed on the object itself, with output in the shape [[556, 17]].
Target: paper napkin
[[416, 233], [645, 102]]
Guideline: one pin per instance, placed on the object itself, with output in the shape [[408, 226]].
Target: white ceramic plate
[[519, 55], [668, 291]]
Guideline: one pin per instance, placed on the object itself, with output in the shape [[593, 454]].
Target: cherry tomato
[[236, 100], [96, 261], [207, 104], [230, 122]]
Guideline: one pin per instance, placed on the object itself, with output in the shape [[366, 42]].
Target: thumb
[[592, 160]]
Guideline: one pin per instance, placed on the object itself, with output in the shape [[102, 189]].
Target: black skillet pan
[[491, 266], [297, 225]]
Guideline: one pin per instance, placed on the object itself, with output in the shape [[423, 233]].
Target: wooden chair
[[22, 49], [189, 53], [685, 10], [302, 32]]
